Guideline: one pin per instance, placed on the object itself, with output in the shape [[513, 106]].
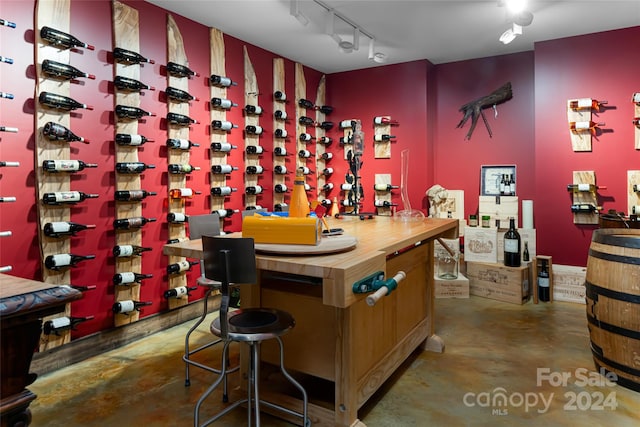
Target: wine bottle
[[327, 171], [5, 268], [384, 138], [180, 119], [306, 121], [585, 208], [180, 144], [60, 102], [503, 184], [221, 81], [222, 125], [253, 130], [543, 283], [586, 104], [280, 133], [305, 154], [222, 191], [58, 261], [305, 137], [384, 120], [635, 98], [254, 189], [56, 132], [576, 188], [222, 147], [133, 195], [132, 85], [177, 218], [590, 126], [280, 151], [179, 292], [8, 129], [346, 124], [254, 170], [325, 125], [254, 149], [280, 170], [61, 39], [225, 213], [327, 187], [280, 188], [132, 167], [179, 267], [280, 207], [125, 56], [6, 233], [66, 197], [635, 210], [64, 71], [305, 170], [636, 121], [6, 60], [6, 23], [383, 203], [128, 112], [62, 324], [325, 109], [122, 251], [179, 70], [6, 95], [223, 169], [280, 115], [66, 165], [182, 193], [251, 208], [305, 103], [346, 140], [512, 245], [280, 96], [325, 140], [385, 187], [182, 168], [64, 228], [253, 110], [128, 306], [179, 95], [326, 156], [636, 188], [131, 223], [131, 139], [525, 252], [9, 164], [222, 103], [129, 277]]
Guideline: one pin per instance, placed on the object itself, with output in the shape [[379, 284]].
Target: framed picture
[[454, 204], [490, 177]]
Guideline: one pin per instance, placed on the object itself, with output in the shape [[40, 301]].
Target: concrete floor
[[491, 348]]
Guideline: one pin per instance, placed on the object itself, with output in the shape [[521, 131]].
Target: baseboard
[[106, 340]]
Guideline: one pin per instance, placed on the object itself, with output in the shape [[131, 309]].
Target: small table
[[23, 304]]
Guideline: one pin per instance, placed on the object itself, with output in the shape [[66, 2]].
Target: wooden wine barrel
[[613, 303], [613, 219]]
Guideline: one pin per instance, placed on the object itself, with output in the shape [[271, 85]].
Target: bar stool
[[233, 260]]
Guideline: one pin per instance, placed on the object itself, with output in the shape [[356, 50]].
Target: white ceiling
[[405, 30]]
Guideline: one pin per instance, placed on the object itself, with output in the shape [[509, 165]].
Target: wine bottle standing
[[180, 144], [129, 277], [543, 283], [128, 112], [125, 56], [131, 139], [131, 223], [61, 39], [64, 71], [129, 250], [58, 261], [71, 166], [512, 245], [179, 70], [57, 132], [179, 267], [128, 306], [61, 324], [64, 228], [180, 119], [66, 197], [60, 102], [179, 95], [133, 195]]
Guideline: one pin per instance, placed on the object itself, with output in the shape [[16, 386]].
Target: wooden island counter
[[338, 338]]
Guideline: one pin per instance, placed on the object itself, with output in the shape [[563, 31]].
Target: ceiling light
[[380, 57], [516, 6], [508, 36]]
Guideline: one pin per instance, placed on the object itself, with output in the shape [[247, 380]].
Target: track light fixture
[[518, 15]]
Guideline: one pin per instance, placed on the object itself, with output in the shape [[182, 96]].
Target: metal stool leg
[[188, 352]]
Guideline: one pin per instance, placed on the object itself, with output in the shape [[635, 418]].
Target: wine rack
[[279, 143], [538, 260], [300, 92], [580, 138], [633, 197], [385, 196], [585, 198], [321, 163], [251, 97], [382, 149]]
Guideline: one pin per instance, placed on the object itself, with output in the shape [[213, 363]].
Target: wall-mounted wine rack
[[585, 198], [279, 125], [581, 124], [633, 192], [251, 139]]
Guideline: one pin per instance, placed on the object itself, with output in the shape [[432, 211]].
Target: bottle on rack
[[325, 140], [60, 102], [222, 103], [122, 251], [280, 151], [6, 95], [129, 84], [223, 147], [179, 292], [221, 81], [182, 193], [182, 168], [254, 110], [280, 96], [64, 228], [543, 283], [384, 138], [590, 126], [254, 149], [56, 132], [385, 187], [125, 56], [586, 104], [384, 120], [577, 188], [326, 156], [305, 170], [54, 166], [6, 233], [128, 112], [5, 268], [222, 191], [383, 203], [179, 267], [306, 121], [512, 245], [132, 195], [305, 154], [6, 23], [280, 133], [225, 213], [299, 202], [279, 207], [131, 223], [254, 189], [280, 115], [179, 70], [61, 39], [327, 187], [306, 137], [223, 169], [180, 119], [327, 171], [66, 197], [223, 125], [61, 324], [252, 207], [325, 109], [177, 218], [636, 121], [131, 139], [9, 164], [129, 277], [305, 103], [253, 130], [280, 169], [180, 144], [8, 128], [585, 208], [280, 188], [346, 124], [65, 71], [325, 125], [254, 170], [58, 261], [179, 95], [128, 306], [6, 60], [132, 167]]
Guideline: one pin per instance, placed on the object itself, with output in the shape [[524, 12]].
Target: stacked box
[[526, 235], [452, 288], [568, 283], [499, 208], [498, 282], [480, 244]]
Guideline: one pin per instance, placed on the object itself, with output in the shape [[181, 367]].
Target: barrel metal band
[[614, 258], [621, 381], [593, 291], [617, 239], [613, 328], [624, 368]]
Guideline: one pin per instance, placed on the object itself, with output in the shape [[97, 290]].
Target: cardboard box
[[528, 235], [496, 281], [499, 208], [568, 283], [480, 244], [453, 288]]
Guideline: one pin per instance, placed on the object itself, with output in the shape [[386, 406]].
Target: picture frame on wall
[[490, 176]]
